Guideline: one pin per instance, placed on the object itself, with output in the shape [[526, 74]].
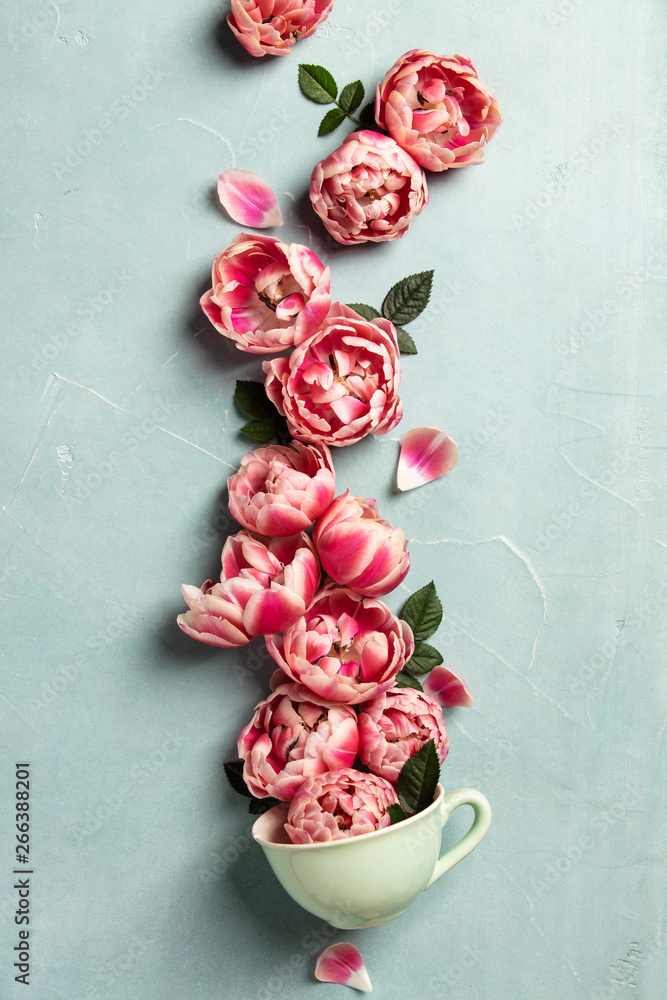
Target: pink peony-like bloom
[[280, 490], [339, 804], [271, 27], [265, 586], [393, 726], [437, 109], [368, 189], [287, 741], [359, 548], [346, 649], [267, 295], [342, 383]]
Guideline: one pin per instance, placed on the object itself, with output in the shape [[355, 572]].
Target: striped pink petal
[[342, 963], [426, 454], [248, 199], [448, 688]]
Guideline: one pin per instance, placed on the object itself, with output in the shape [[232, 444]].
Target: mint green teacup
[[367, 880]]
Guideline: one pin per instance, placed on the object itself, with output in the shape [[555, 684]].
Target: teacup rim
[[439, 795]]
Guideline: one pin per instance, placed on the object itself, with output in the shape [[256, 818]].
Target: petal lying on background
[[342, 963], [426, 454], [448, 688], [248, 199]]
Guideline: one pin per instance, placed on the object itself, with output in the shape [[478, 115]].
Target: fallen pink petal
[[448, 688], [248, 199], [426, 454], [342, 963]]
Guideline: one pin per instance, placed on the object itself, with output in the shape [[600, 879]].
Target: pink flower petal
[[248, 199], [448, 688], [342, 963], [426, 454]]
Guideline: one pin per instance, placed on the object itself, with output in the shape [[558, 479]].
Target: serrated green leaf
[[351, 96], [258, 806], [408, 298], [403, 680], [260, 430], [331, 121], [252, 399], [317, 84], [367, 114], [423, 612], [423, 659], [406, 344], [234, 772], [418, 779], [396, 813], [366, 312]]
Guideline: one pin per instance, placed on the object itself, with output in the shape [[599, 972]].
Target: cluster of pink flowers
[[438, 114], [338, 647], [341, 381]]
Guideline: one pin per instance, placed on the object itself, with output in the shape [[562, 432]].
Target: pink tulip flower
[[368, 189], [396, 724], [266, 585], [342, 383], [267, 295], [271, 27], [437, 109], [286, 742], [360, 549], [345, 650], [280, 490], [339, 804]]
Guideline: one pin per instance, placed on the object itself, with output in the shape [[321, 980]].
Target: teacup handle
[[476, 833]]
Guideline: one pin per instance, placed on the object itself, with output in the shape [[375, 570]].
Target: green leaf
[[367, 114], [317, 84], [260, 430], [406, 344], [396, 813], [234, 772], [367, 312], [403, 680], [331, 121], [351, 96], [408, 298], [418, 779], [252, 399], [258, 806], [424, 658], [423, 612]]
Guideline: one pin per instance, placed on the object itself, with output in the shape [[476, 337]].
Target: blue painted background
[[542, 353]]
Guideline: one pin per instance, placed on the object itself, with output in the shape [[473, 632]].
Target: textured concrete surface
[[542, 354]]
